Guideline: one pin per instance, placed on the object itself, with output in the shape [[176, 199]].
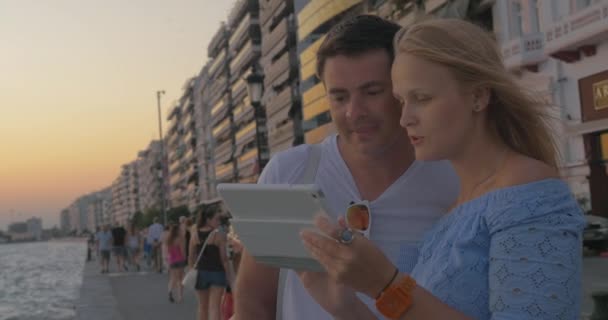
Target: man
[[371, 159], [119, 235], [104, 242], [155, 231]]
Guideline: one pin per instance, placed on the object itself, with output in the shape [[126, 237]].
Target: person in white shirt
[[370, 158], [155, 232]]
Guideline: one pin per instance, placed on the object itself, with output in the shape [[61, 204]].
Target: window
[[535, 21], [515, 20], [582, 4]]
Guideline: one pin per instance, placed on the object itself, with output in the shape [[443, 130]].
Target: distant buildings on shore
[[29, 230]]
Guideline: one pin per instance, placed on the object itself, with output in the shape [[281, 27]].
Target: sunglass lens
[[357, 217]]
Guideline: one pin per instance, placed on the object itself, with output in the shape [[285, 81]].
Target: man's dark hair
[[356, 35]]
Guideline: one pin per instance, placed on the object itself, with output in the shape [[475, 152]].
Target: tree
[[148, 217], [174, 213], [138, 220]]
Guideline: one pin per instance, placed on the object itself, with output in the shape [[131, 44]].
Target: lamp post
[[162, 159], [255, 87]]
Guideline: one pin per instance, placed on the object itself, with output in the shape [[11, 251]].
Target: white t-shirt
[[154, 232], [400, 216]]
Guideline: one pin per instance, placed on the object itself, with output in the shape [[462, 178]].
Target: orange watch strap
[[397, 299]]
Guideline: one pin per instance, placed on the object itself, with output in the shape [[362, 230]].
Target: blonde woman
[[510, 247]]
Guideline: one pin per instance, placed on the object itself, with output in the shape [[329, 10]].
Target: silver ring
[[347, 236]]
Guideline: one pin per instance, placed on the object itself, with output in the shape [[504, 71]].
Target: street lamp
[[162, 159], [255, 87]]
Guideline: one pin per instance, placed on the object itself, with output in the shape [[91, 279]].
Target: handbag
[[189, 280]]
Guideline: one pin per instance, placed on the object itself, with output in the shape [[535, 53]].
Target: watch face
[[393, 304]]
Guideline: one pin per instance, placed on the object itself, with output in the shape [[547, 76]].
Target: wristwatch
[[396, 299]]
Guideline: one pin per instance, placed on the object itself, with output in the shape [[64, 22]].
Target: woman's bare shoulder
[[521, 169]]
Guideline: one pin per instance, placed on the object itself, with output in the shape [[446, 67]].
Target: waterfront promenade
[[129, 296], [142, 295]]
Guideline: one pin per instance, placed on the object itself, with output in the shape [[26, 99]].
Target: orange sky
[[77, 90]]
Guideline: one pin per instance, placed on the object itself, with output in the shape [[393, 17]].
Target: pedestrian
[[211, 279], [134, 246], [155, 232], [177, 262], [119, 246], [104, 239]]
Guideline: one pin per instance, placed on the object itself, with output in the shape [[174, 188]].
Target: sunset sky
[[77, 91]]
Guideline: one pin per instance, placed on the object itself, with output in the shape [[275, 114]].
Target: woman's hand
[[359, 265], [337, 299]]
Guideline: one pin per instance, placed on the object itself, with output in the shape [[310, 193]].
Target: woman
[[510, 247], [211, 279], [177, 262], [134, 244]]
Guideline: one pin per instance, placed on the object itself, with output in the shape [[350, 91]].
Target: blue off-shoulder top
[[513, 253]]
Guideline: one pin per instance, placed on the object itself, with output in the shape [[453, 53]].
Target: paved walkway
[[129, 296]]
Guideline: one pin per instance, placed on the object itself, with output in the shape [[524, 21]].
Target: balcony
[[218, 41], [245, 133], [224, 172], [277, 37], [243, 112], [239, 90], [270, 9], [526, 50], [280, 105], [248, 28], [280, 136], [577, 32], [278, 72], [221, 129], [219, 111], [317, 135], [244, 58], [223, 152], [218, 64]]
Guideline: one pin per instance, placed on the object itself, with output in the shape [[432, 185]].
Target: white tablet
[[269, 217]]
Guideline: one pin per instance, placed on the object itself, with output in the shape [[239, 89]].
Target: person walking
[[211, 280], [118, 241], [134, 245], [104, 240], [177, 262]]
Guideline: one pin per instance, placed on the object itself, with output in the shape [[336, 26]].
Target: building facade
[[34, 228], [125, 194], [149, 174], [560, 49], [281, 74]]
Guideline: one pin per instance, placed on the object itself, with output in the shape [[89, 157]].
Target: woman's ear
[[481, 98]]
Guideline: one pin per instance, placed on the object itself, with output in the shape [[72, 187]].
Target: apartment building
[[125, 193], [281, 77], [99, 209], [64, 220], [150, 179], [219, 95], [248, 118], [176, 149]]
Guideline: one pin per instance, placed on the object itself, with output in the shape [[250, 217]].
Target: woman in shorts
[[177, 261]]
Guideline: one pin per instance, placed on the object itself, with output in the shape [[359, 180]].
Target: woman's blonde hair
[[473, 57]]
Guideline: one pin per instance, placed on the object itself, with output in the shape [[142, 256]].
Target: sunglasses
[[359, 218]]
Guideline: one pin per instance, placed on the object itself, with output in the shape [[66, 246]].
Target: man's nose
[[356, 107]]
